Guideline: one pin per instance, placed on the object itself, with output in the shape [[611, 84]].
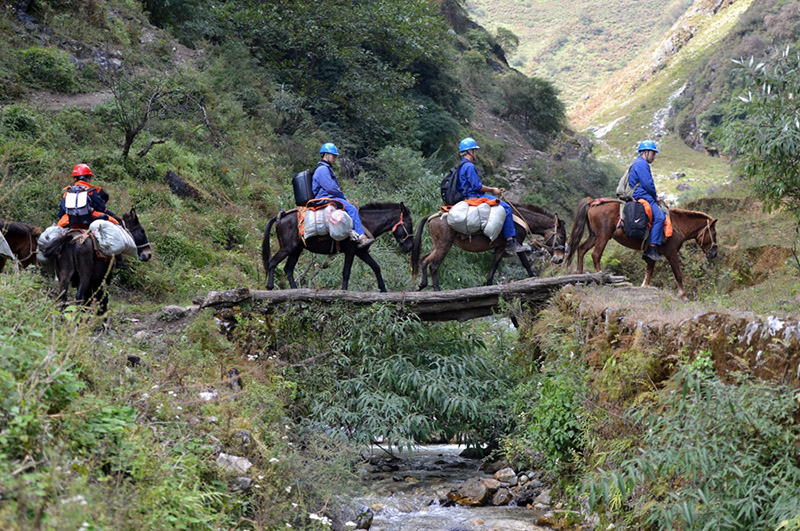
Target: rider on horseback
[[470, 184], [641, 181], [83, 202], [325, 185]]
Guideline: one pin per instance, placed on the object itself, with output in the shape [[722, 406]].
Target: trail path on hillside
[[51, 101]]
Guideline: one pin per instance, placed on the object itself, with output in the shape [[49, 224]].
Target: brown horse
[[377, 218], [539, 221], [22, 239], [602, 220], [77, 263]]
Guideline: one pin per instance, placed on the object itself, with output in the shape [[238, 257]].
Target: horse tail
[[265, 254], [415, 250], [578, 226], [54, 247]]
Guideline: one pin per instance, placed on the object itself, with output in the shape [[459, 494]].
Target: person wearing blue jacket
[[325, 184], [469, 183], [641, 179]]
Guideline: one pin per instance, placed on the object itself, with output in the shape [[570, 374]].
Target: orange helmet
[[81, 170]]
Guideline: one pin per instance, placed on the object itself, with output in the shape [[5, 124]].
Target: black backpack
[[449, 187], [634, 220], [78, 206]]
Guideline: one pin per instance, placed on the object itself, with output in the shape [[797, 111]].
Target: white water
[[411, 504]]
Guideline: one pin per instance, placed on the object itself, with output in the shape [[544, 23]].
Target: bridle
[[140, 246], [401, 224], [711, 233], [550, 240]]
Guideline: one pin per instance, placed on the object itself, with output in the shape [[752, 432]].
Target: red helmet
[[81, 170]]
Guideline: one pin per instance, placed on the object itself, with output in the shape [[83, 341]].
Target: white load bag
[[315, 222], [494, 225], [469, 220], [112, 239], [53, 232], [5, 250], [340, 224]]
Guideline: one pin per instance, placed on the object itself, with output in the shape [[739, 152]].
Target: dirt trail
[[51, 101]]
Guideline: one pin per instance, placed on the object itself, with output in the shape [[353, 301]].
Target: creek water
[[406, 497]]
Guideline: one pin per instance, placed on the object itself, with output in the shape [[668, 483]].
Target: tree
[[767, 140], [534, 101], [507, 39]]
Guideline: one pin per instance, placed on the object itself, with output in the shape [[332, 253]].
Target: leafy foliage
[[768, 139], [714, 456], [534, 101]]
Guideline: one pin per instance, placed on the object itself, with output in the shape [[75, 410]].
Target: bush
[[49, 68], [714, 455]]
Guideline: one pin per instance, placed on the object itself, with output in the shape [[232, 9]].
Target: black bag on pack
[[449, 187], [76, 203], [301, 184], [634, 220]]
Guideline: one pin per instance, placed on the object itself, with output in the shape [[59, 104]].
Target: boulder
[[544, 497], [491, 484], [506, 475], [494, 466], [351, 513], [232, 463], [471, 492], [502, 497]]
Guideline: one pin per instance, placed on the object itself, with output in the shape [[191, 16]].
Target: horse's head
[[131, 221], [403, 230], [707, 239], [555, 239]]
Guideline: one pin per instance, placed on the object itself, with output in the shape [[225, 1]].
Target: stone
[[491, 483], [677, 175], [349, 514], [491, 468], [174, 313], [523, 479], [242, 484], [505, 475], [502, 497], [544, 497], [548, 519], [232, 463], [683, 187], [472, 492]]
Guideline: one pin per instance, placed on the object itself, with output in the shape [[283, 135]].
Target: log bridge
[[447, 305]]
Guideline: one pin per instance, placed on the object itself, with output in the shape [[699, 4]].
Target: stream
[[407, 497]]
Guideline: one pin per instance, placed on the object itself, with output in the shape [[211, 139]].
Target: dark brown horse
[[22, 239], [602, 220], [377, 218], [539, 221], [77, 263]]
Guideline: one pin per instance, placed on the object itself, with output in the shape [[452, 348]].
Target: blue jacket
[[640, 174], [324, 183], [468, 181]]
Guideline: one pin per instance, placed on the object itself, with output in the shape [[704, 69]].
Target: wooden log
[[458, 304]]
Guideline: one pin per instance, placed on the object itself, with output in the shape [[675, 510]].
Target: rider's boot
[[363, 241], [652, 254], [513, 247]]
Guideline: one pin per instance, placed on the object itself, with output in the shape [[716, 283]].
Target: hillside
[[582, 46]]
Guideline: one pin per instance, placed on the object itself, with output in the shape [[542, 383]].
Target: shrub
[[49, 68]]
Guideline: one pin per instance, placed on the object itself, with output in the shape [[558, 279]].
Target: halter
[[702, 232], [401, 224], [552, 237], [145, 244]]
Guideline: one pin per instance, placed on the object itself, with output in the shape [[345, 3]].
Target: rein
[[703, 231]]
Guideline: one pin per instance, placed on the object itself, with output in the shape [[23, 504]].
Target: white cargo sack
[[339, 225], [53, 232], [112, 239], [5, 250], [468, 220], [315, 222], [494, 225]]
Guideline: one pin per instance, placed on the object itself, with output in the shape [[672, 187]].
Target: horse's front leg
[[294, 256], [675, 265], [498, 255], [424, 282], [523, 258], [367, 258]]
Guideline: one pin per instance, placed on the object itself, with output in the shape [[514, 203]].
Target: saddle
[[667, 221], [81, 235], [313, 205]]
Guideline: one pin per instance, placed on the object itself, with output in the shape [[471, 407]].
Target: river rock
[[471, 492], [353, 513], [523, 479], [526, 495], [502, 497], [492, 467], [549, 519], [505, 475], [544, 497], [491, 484], [232, 463]]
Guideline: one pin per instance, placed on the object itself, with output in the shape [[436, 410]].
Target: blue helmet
[[648, 145], [467, 144], [328, 147]]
